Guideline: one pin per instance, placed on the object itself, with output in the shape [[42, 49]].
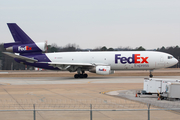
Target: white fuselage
[[121, 60]]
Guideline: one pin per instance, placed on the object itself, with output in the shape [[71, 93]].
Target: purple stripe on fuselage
[[24, 49], [40, 58]]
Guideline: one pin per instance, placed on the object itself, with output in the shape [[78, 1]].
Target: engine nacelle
[[102, 70], [28, 48]]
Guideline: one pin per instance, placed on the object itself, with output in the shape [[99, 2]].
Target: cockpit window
[[170, 57]]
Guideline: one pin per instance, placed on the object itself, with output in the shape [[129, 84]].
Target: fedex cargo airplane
[[24, 50]]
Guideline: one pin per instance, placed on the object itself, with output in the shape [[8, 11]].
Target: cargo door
[[161, 59], [161, 62]]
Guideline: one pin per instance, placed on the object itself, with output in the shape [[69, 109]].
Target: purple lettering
[[134, 59], [123, 60], [117, 57], [130, 59]]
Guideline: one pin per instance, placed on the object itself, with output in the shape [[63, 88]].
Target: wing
[[30, 60], [64, 63], [72, 67], [69, 66]]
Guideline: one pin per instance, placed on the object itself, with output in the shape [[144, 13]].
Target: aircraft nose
[[175, 61]]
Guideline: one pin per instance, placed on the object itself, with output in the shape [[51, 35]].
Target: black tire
[[85, 75], [150, 76], [76, 76], [81, 76]]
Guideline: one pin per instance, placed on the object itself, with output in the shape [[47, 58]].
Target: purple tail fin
[[18, 34], [20, 37]]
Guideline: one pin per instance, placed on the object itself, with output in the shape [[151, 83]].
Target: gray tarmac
[[70, 80], [69, 93]]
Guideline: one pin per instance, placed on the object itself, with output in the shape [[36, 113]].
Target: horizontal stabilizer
[[6, 45], [31, 60]]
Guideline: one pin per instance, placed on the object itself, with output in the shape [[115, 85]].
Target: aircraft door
[[92, 60], [161, 59], [161, 62]]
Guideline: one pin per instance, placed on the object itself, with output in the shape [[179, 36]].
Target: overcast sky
[[94, 23]]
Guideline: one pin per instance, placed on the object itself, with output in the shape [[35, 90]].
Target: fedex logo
[[25, 48], [102, 69], [136, 59]]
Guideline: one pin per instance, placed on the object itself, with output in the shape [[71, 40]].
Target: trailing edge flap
[[63, 63], [31, 60]]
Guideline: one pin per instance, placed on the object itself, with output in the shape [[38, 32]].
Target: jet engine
[[102, 70], [28, 48]]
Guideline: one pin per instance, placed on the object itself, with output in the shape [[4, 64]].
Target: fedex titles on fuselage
[[135, 59]]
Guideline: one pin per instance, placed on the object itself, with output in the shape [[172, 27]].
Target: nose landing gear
[[150, 74]]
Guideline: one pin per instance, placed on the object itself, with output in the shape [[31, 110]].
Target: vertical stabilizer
[[23, 43], [18, 34]]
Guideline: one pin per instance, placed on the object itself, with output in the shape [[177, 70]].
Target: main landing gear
[[80, 75], [150, 74]]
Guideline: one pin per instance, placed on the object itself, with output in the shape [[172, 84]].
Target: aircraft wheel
[[81, 76], [151, 76], [76, 76], [85, 75]]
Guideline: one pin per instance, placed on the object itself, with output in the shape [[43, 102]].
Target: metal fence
[[85, 109]]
